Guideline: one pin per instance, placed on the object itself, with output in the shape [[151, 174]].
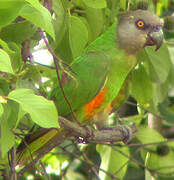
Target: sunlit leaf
[[5, 63], [9, 11], [112, 161], [38, 15], [42, 111], [7, 137]]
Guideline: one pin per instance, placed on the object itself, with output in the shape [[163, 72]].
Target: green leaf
[[166, 113], [7, 140], [16, 56], [95, 18], [42, 111], [38, 15], [158, 62], [5, 63], [5, 46], [141, 87], [78, 35], [95, 3], [112, 161], [160, 93], [148, 135], [18, 32], [123, 4], [9, 11], [1, 110], [61, 19], [161, 163]]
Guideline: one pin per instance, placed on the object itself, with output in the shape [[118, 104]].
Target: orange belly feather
[[92, 107]]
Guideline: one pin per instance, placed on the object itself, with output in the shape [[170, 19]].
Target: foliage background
[[69, 27]]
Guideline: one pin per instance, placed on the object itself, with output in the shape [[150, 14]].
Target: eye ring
[[140, 24]]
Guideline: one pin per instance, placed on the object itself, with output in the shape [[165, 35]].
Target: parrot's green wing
[[84, 86]]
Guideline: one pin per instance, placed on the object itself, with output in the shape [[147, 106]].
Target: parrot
[[102, 70], [101, 73]]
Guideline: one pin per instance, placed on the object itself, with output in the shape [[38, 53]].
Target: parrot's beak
[[155, 38]]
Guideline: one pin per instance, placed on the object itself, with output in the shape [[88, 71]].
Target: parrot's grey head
[[138, 29]]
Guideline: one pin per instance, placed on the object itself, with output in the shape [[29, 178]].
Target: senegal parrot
[[101, 71], [100, 74]]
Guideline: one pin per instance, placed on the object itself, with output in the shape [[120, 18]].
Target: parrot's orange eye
[[140, 24]]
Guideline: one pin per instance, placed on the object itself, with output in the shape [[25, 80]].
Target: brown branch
[[71, 130], [105, 135], [48, 4], [13, 164], [25, 52]]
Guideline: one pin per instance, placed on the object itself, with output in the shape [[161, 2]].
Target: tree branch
[[73, 130]]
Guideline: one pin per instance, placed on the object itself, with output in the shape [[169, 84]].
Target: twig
[[42, 65], [144, 145], [132, 159], [93, 169], [44, 170], [89, 163], [79, 11], [55, 59], [13, 164], [63, 172]]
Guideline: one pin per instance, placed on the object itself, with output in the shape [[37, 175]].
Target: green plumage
[[101, 64], [105, 63]]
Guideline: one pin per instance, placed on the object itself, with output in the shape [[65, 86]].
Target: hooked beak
[[154, 38]]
